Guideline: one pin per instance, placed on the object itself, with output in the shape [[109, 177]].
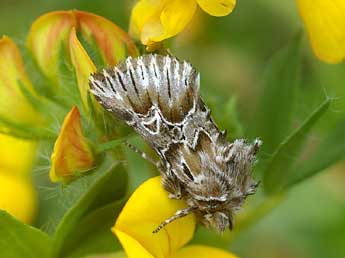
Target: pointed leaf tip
[[278, 172]]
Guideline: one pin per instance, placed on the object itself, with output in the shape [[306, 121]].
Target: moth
[[158, 96]]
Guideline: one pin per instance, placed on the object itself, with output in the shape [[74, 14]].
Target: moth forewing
[[158, 96]]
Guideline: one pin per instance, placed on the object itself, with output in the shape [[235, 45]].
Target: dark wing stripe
[[150, 81]]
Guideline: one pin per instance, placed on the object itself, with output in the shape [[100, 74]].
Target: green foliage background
[[260, 79]]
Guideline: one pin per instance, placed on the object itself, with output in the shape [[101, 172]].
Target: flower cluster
[[52, 42], [71, 45], [59, 41]]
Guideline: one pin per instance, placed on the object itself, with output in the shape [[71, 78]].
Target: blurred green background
[[231, 53]]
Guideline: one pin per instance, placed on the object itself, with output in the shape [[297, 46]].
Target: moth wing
[[138, 85]]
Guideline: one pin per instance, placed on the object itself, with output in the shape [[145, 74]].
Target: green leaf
[[25, 131], [48, 109], [106, 146], [34, 101], [57, 199], [139, 169], [93, 235], [278, 172], [105, 185], [18, 240], [272, 121], [92, 51], [67, 93], [40, 83], [232, 121], [225, 113], [113, 144], [330, 151]]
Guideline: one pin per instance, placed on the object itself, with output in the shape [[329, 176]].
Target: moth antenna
[[141, 153], [179, 214], [256, 146]]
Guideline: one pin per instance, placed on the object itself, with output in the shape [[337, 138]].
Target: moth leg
[[142, 154], [179, 214], [172, 185]]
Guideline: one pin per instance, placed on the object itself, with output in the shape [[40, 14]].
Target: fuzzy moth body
[[158, 96]]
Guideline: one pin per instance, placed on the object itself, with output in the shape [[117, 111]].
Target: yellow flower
[[72, 153], [9, 149], [17, 193], [17, 196], [325, 23], [155, 20], [145, 210]]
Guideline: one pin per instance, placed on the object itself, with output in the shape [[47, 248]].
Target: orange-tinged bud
[[12, 78], [112, 41], [50, 34], [72, 153]]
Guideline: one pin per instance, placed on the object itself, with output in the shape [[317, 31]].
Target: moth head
[[219, 221], [213, 209]]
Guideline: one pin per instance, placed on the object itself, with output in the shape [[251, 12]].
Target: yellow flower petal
[[217, 7], [155, 21], [9, 149], [83, 66], [175, 17], [17, 197], [198, 251], [132, 246], [49, 35], [145, 210], [11, 74], [325, 24], [141, 13], [72, 153]]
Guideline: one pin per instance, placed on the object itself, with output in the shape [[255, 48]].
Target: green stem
[[110, 145]]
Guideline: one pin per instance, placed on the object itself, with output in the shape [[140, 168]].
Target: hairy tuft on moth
[[158, 96]]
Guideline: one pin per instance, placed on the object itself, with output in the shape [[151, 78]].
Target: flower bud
[[72, 153]]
